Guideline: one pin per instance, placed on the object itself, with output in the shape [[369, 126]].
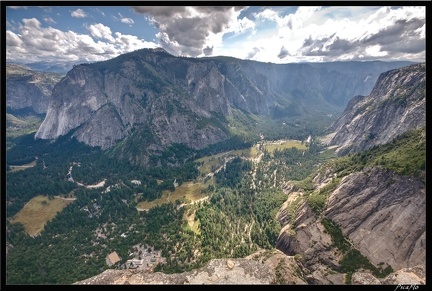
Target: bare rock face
[[257, 269], [307, 238], [383, 214], [66, 113], [152, 98], [406, 276], [28, 89], [222, 271], [260, 268], [396, 104]]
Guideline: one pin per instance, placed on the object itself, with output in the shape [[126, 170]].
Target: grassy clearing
[[38, 211], [19, 126], [193, 225], [213, 162], [210, 163], [187, 192], [22, 167], [287, 144]]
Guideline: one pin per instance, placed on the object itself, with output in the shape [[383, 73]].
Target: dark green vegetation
[[298, 127], [234, 222], [353, 259], [405, 155], [237, 220], [19, 125]]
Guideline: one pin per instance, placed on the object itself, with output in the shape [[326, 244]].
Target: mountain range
[[151, 97]]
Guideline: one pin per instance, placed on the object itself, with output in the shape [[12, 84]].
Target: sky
[[276, 34]]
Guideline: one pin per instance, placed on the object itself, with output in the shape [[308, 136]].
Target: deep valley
[[154, 169]]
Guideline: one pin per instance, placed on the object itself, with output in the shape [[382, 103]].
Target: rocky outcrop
[[306, 237], [260, 268], [396, 104], [151, 97], [407, 276], [383, 214], [223, 271], [257, 269], [28, 90]]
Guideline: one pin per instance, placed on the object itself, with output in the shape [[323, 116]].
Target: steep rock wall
[[397, 104]]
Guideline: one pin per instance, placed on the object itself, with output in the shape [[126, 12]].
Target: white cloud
[[375, 51], [13, 40], [129, 43], [49, 20], [192, 30], [17, 7], [306, 34], [127, 20], [101, 31], [79, 13], [33, 43], [338, 33]]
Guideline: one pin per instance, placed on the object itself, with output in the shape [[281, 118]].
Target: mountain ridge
[[177, 100], [396, 104]]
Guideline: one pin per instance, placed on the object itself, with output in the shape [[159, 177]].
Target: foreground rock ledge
[[221, 271]]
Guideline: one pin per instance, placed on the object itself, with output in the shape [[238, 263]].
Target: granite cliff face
[[379, 209], [29, 90], [154, 99], [396, 104], [383, 214]]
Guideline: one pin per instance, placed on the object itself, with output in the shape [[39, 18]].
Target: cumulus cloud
[[343, 33], [101, 31], [385, 33], [34, 43], [191, 31], [293, 20], [79, 13], [13, 40], [269, 34], [125, 20]]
